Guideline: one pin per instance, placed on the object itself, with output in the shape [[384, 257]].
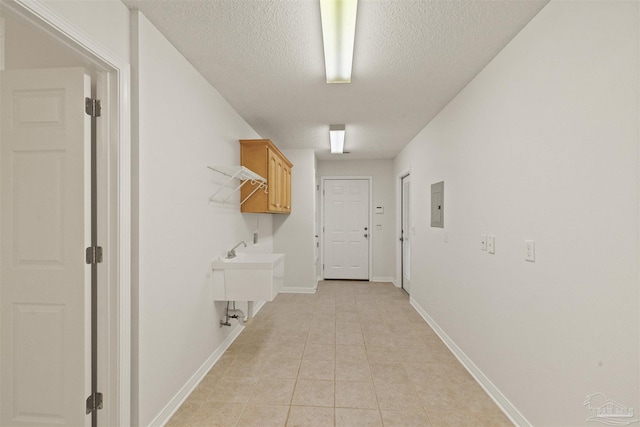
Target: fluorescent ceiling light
[[336, 134], [338, 33]]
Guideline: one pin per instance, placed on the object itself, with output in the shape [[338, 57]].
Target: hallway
[[353, 354]]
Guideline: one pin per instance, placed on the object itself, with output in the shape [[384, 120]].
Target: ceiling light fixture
[[336, 134], [338, 34]]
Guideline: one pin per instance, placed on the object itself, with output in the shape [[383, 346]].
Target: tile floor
[[353, 354]]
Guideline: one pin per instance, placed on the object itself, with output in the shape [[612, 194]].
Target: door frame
[[114, 200], [323, 180], [401, 221], [399, 177]]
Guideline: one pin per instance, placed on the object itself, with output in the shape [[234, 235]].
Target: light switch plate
[[530, 250], [491, 244], [483, 242]]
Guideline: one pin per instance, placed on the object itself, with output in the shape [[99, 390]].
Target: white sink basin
[[248, 277]]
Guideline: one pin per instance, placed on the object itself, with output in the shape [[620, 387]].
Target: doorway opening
[[62, 180]]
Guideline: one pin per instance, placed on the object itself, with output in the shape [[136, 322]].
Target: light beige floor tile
[[319, 352], [352, 370], [405, 419], [355, 395], [327, 338], [501, 421], [349, 338], [245, 368], [311, 369], [348, 327], [313, 393], [383, 354], [310, 416], [232, 389], [454, 418], [323, 326], [379, 340], [347, 417], [374, 328], [346, 314], [273, 390], [201, 393], [352, 346], [439, 397], [182, 418], [218, 414], [294, 336], [264, 415], [351, 353], [389, 373], [398, 397], [281, 368], [288, 351], [480, 404]]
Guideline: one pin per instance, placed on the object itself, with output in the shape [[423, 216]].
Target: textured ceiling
[[411, 58]]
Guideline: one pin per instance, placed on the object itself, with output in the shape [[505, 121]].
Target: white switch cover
[[491, 244], [530, 250], [483, 242]]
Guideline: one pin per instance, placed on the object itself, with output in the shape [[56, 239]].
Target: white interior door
[[346, 229], [44, 229], [406, 233]]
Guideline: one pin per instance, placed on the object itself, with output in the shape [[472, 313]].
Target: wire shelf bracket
[[237, 172]]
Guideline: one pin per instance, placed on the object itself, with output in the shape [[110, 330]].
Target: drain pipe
[[234, 313]]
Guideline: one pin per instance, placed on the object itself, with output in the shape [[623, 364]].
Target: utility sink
[[248, 277]]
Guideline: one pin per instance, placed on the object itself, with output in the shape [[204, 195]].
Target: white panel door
[[346, 229], [44, 229], [405, 236]]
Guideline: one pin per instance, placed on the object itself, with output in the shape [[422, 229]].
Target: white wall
[[294, 233], [542, 145], [105, 21], [384, 182], [182, 125]]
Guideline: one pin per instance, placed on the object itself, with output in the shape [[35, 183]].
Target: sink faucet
[[232, 252]]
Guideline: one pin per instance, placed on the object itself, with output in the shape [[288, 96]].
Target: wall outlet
[[483, 242], [530, 250], [491, 244]]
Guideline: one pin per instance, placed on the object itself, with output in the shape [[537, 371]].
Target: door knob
[[366, 235], [401, 239]]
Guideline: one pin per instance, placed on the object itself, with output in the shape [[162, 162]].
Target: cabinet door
[[274, 188], [286, 193], [279, 183]]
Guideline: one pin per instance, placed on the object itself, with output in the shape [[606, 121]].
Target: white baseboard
[[257, 305], [174, 404], [503, 403], [383, 279], [297, 290]]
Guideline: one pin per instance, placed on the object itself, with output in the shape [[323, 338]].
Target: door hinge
[[94, 254], [92, 107], [94, 402]]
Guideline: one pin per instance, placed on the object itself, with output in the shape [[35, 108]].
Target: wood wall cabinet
[[264, 158]]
